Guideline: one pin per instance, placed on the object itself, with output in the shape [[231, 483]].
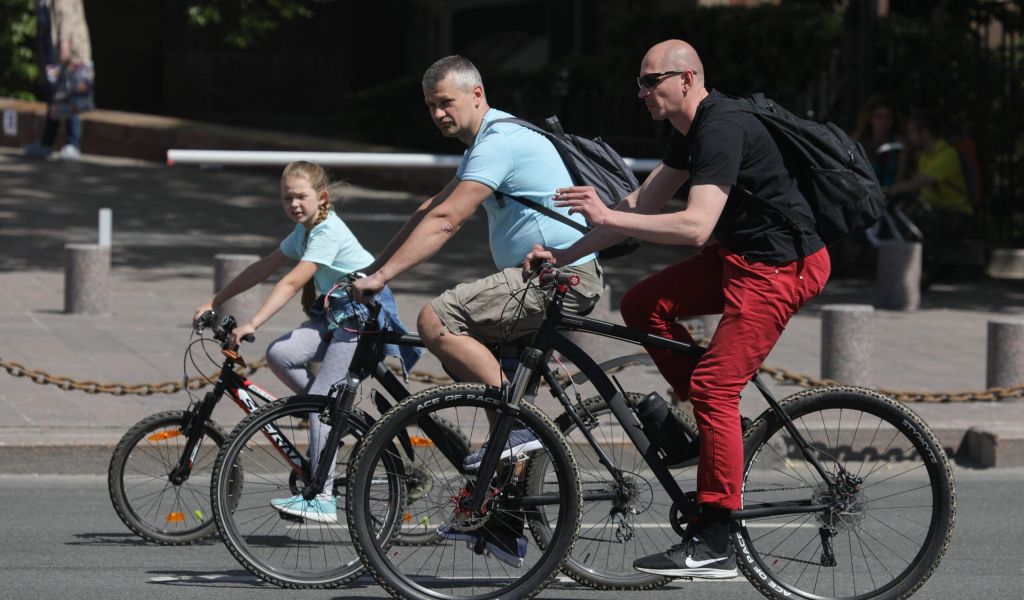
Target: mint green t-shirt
[[331, 246]]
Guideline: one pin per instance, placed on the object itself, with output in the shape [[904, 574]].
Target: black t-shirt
[[728, 147]]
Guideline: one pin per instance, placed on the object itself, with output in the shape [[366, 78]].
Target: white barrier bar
[[252, 158], [106, 226]]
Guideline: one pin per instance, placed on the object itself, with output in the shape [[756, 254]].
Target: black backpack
[[831, 169], [589, 162]]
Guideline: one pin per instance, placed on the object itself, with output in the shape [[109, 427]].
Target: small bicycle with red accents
[[159, 475]]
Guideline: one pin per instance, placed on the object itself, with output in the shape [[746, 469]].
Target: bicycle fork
[[336, 416], [507, 410], [194, 429]]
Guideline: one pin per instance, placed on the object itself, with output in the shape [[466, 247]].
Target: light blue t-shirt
[[518, 162], [331, 246]]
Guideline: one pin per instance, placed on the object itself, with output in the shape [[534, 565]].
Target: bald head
[[674, 55]]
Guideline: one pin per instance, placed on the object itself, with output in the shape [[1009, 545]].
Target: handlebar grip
[[205, 320], [560, 277], [249, 338]]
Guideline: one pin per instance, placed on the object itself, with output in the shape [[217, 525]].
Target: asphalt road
[[62, 539]]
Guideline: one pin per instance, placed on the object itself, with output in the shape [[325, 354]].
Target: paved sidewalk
[[169, 222]]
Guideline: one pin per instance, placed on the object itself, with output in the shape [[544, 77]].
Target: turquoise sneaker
[[318, 509]]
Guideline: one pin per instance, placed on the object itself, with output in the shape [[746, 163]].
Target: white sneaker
[[70, 152], [322, 510]]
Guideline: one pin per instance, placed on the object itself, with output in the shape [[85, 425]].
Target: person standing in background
[[65, 56]]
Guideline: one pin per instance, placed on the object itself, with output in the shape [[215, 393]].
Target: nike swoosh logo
[[696, 564]]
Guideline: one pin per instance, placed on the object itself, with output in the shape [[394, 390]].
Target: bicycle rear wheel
[[142, 494], [886, 527], [615, 531], [474, 556]]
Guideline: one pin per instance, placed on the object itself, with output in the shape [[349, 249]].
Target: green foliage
[[19, 69], [245, 23]]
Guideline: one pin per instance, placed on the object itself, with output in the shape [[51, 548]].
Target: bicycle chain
[[994, 394]]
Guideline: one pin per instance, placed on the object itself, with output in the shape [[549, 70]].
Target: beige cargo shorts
[[500, 307]]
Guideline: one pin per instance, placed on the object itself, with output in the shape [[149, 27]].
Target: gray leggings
[[289, 356]]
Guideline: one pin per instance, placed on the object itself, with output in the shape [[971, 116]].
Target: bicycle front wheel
[[259, 523], [138, 479], [887, 519], [476, 556]]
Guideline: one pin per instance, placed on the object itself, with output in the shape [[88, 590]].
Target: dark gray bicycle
[[846, 494]]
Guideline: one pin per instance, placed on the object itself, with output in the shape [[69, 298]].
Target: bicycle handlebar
[[547, 273], [222, 330]]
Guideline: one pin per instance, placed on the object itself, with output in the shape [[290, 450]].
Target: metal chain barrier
[[119, 389], [195, 383], [990, 395]]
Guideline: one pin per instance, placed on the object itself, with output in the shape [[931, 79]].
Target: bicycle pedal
[[519, 465]]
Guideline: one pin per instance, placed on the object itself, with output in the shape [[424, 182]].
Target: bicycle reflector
[[166, 434], [176, 517], [420, 441]]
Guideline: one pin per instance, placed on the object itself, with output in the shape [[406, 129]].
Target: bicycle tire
[[885, 536], [137, 480], [606, 547], [455, 571], [287, 552]]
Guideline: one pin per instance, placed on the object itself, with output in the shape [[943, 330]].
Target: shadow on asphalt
[[239, 579], [126, 539]]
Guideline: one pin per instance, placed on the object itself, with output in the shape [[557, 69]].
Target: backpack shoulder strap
[[521, 123], [543, 210], [526, 201]]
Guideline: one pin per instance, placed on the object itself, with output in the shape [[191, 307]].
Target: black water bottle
[[665, 431]]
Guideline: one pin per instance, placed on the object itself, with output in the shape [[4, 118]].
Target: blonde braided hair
[[318, 180]]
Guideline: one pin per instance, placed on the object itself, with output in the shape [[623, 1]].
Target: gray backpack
[[589, 162]]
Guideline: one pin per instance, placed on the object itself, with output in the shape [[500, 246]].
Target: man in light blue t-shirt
[[512, 161], [504, 160]]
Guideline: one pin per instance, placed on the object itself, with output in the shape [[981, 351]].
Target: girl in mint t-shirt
[[325, 250]]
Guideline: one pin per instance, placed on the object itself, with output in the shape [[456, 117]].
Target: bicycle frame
[[534, 365], [367, 361], [242, 391]]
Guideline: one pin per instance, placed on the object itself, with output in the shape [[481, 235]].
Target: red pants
[[756, 301]]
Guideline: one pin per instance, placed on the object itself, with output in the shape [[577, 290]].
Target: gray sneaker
[[501, 537], [37, 150], [519, 441]]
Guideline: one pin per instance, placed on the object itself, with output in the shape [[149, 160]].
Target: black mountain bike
[[846, 493], [159, 474]]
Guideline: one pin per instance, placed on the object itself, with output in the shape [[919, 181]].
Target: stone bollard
[[898, 285], [847, 343], [1005, 362], [244, 305], [86, 279]]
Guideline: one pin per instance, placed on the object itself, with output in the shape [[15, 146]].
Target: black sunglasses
[[650, 80]]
